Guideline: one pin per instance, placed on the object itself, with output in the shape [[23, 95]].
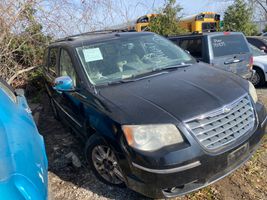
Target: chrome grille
[[218, 128]]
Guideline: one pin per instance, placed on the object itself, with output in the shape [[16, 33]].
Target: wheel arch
[[105, 128], [262, 68]]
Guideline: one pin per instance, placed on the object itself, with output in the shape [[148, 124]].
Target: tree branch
[[261, 4], [18, 73]]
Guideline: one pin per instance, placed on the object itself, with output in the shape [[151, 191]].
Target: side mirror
[[63, 84]]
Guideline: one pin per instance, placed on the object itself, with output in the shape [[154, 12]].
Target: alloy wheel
[[255, 79], [106, 164]]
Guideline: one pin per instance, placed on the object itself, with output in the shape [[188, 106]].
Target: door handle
[[232, 61]]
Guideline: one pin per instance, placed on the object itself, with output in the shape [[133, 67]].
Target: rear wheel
[[103, 162], [258, 79]]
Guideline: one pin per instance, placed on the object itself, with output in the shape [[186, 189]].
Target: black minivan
[[151, 117]]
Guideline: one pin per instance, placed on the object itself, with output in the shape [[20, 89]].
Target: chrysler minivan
[[150, 116]]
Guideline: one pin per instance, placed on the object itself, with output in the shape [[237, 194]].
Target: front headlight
[[152, 137], [252, 92]]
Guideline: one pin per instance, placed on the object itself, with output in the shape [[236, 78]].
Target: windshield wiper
[[148, 74], [119, 81], [134, 78], [172, 67]]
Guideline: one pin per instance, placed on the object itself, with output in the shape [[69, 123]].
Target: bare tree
[[259, 7], [27, 25], [262, 4], [15, 32]]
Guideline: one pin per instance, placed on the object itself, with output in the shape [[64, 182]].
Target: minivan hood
[[177, 95]]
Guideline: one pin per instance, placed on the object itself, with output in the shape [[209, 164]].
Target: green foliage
[[265, 29], [166, 23], [238, 17]]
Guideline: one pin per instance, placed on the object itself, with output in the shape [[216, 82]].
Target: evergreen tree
[[238, 17], [166, 23]]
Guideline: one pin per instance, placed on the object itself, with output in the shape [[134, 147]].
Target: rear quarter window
[[52, 60], [225, 45], [193, 45]]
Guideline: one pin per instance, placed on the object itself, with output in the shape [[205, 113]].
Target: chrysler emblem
[[226, 109]]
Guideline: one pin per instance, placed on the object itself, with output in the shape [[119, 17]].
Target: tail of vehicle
[[230, 51]]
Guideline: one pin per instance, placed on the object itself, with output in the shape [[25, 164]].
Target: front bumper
[[195, 168]]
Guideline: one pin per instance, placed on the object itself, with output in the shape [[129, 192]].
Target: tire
[[258, 79], [103, 162], [54, 109]]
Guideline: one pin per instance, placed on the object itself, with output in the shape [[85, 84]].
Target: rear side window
[[175, 41], [225, 45], [52, 61], [194, 46]]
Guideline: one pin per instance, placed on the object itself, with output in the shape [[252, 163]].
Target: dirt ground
[[70, 179]]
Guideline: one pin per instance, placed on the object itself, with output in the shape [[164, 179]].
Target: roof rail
[[105, 31], [192, 33]]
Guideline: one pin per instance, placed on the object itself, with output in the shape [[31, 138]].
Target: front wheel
[[103, 162]]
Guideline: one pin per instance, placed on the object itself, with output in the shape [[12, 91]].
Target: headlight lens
[[252, 92], [152, 137]]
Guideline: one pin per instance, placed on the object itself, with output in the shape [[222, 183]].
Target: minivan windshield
[[124, 58], [224, 45]]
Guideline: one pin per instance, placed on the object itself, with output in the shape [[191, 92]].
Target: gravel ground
[[70, 178]]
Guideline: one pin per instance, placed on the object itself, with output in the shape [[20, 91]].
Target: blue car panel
[[23, 161]]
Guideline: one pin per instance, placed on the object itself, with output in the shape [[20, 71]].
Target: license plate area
[[238, 154]]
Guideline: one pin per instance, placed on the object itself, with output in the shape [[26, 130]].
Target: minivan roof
[[80, 39], [205, 34]]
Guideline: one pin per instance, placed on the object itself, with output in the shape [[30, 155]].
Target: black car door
[[71, 103], [50, 69]]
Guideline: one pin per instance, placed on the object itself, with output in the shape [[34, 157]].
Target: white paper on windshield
[[93, 54]]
